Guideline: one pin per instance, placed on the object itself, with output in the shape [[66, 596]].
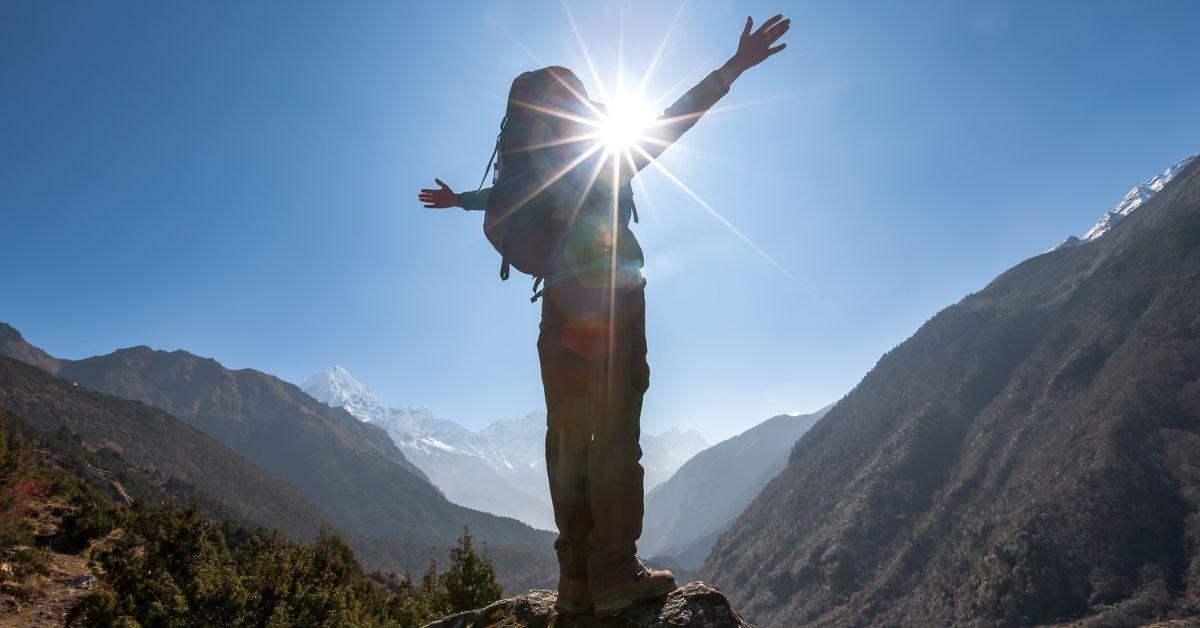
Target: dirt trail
[[68, 580]]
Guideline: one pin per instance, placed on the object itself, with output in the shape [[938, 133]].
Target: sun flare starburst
[[625, 130], [627, 118]]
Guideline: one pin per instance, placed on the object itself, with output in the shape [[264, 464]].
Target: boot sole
[[573, 611], [615, 607]]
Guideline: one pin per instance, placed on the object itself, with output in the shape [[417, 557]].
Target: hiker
[[559, 209]]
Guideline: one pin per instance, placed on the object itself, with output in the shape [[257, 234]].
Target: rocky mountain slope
[[13, 345], [350, 468], [685, 515], [152, 438], [1030, 456], [89, 539], [352, 471]]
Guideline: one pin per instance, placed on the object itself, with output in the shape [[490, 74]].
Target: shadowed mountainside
[[686, 514], [352, 469], [347, 472], [149, 437], [1030, 455], [90, 539]]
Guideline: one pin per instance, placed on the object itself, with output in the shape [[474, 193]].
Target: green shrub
[[172, 567], [470, 582]]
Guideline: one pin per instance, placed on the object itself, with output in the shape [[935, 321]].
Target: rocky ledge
[[697, 604]]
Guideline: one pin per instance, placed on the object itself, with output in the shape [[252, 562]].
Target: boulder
[[697, 604]]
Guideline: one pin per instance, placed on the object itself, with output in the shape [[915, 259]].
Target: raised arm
[[444, 197], [753, 48]]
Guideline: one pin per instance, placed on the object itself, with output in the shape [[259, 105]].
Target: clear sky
[[237, 179]]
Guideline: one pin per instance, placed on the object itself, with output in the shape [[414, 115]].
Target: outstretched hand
[[754, 48], [438, 199]]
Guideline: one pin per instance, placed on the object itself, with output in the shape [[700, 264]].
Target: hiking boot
[[573, 597], [647, 584]]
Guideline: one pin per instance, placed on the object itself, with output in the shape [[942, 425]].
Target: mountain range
[[275, 455], [685, 515], [501, 469], [1031, 455], [400, 483], [463, 464]]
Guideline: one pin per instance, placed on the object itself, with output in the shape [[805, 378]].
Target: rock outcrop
[[697, 604]]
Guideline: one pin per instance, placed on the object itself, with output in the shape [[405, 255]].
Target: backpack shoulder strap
[[495, 151]]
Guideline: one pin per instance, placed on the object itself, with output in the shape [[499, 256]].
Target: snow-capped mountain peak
[[338, 388], [339, 381], [1135, 198], [410, 428]]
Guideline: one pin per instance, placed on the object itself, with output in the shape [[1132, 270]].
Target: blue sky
[[237, 180]]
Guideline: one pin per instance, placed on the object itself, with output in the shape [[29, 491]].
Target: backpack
[[523, 220]]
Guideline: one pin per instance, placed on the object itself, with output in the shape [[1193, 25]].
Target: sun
[[622, 126]]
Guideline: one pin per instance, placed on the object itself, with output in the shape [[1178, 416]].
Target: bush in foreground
[[173, 567]]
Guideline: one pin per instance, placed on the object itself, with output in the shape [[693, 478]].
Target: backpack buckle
[[537, 294]]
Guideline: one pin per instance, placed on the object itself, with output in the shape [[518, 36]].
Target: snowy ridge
[[499, 469], [464, 465], [411, 428], [1134, 199], [523, 440]]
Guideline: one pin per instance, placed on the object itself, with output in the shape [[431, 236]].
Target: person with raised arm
[[560, 209]]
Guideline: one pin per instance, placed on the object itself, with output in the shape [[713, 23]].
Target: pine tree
[[431, 595], [470, 582]]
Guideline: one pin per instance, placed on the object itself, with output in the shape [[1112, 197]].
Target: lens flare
[[621, 127]]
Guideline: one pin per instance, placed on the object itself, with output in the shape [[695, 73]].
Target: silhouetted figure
[[559, 209]]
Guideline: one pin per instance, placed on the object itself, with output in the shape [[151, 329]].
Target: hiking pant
[[594, 383]]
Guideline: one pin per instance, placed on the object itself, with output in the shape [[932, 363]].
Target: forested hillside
[[1030, 455]]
